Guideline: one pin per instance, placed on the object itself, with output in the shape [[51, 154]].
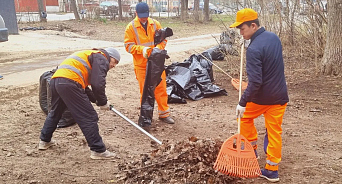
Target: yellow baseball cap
[[244, 15]]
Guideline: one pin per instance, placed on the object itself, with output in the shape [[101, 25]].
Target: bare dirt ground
[[311, 129]]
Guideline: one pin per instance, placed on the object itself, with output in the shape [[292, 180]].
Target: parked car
[[109, 7], [212, 8], [3, 30]]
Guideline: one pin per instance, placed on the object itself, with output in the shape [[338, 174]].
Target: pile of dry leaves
[[188, 161]]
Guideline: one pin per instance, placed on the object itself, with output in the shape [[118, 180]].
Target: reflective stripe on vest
[[80, 69], [72, 69], [85, 64], [148, 44], [130, 46]]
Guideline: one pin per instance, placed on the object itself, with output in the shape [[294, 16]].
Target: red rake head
[[237, 158]]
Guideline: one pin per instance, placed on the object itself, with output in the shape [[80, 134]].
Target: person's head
[[247, 21], [142, 11], [114, 57]]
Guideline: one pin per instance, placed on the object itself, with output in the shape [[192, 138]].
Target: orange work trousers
[[159, 93], [273, 115]]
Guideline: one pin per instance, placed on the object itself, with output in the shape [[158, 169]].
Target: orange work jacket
[[77, 67], [136, 39]]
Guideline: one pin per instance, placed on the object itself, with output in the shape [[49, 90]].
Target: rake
[[236, 157]]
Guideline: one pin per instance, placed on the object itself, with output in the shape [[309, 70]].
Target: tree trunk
[[74, 9], [332, 58], [61, 5], [292, 24], [42, 13], [184, 10], [196, 10], [120, 10], [206, 10]]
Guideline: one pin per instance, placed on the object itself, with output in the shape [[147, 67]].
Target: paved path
[[27, 71]]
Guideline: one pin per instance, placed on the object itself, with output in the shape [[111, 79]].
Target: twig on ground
[[78, 175]]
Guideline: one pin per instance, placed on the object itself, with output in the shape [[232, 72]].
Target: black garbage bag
[[220, 51], [191, 79], [45, 100], [161, 34], [154, 70], [216, 53], [43, 90], [227, 39]]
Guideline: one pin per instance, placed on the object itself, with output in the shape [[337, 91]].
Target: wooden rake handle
[[215, 65], [240, 82]]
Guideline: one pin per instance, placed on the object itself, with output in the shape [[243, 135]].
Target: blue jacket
[[265, 71]]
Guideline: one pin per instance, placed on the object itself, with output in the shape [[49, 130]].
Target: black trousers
[[67, 93]]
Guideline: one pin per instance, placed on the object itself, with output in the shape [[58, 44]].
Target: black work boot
[[147, 128], [168, 120]]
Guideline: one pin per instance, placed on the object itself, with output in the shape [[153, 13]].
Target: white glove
[[145, 52], [240, 110], [105, 107]]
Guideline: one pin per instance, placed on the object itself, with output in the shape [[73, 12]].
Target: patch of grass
[[104, 20]]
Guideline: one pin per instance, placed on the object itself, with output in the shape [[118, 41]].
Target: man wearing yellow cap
[[266, 92]]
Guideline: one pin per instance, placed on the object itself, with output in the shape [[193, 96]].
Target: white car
[[3, 30], [109, 7]]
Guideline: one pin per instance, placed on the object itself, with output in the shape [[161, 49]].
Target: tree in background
[[184, 9], [74, 9], [42, 13], [196, 10], [206, 10], [120, 10], [332, 58]]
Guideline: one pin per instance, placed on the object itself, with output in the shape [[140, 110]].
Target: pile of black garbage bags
[[191, 79]]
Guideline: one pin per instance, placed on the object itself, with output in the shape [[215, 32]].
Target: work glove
[[146, 52], [105, 107], [240, 110]]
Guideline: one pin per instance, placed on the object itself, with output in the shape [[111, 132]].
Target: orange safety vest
[[136, 39], [77, 67]]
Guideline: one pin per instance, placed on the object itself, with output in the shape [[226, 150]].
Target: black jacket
[[100, 67], [265, 71]]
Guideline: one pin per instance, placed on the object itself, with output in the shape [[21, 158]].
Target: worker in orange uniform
[[266, 92], [139, 41], [69, 88]]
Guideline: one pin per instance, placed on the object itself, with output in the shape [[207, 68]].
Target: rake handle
[[240, 82], [216, 65], [135, 125]]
